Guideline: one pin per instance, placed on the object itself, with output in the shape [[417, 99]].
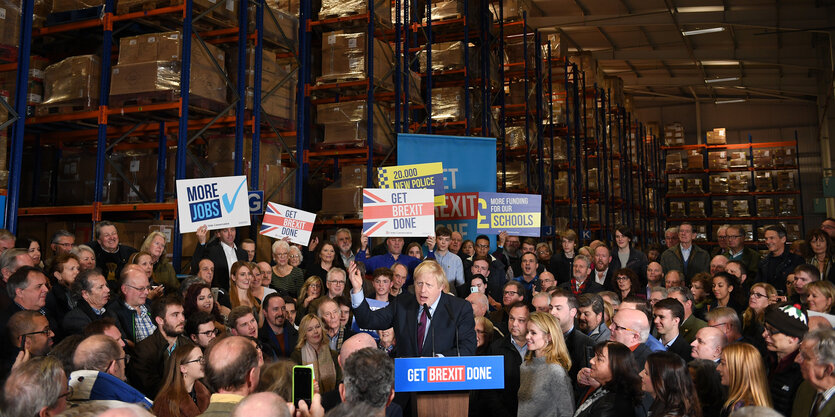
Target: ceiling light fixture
[[702, 31], [700, 9], [721, 80], [739, 100], [720, 63]]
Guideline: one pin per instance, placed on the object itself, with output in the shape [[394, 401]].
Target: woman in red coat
[[182, 394]]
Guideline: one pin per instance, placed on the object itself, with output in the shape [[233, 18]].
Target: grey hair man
[[817, 365], [38, 387], [368, 378]]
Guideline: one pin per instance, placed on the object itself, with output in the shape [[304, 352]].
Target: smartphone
[[473, 290], [302, 384]]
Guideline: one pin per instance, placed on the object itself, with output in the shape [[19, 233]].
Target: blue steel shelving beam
[[240, 111], [161, 161], [486, 90], [551, 137], [398, 74], [525, 75], [428, 103], [255, 171], [605, 232], [182, 129], [578, 196], [302, 104], [502, 98], [467, 100], [22, 79], [104, 100], [369, 108]]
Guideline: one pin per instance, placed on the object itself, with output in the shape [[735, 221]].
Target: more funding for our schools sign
[[516, 214], [282, 221], [403, 213], [429, 176], [215, 202], [452, 373]]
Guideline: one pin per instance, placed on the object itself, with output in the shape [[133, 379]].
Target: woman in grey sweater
[[544, 385]]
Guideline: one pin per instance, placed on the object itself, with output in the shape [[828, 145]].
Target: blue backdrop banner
[[469, 167]]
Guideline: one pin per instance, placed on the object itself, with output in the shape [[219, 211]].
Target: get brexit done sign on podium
[[454, 373], [215, 202]]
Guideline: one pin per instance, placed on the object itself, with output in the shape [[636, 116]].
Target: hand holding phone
[[302, 384]]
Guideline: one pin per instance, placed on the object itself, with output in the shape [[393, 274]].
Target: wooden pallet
[[279, 123], [144, 99], [70, 16], [64, 108], [218, 16], [349, 145]]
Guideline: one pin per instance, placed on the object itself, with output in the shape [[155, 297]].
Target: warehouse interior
[[759, 72]]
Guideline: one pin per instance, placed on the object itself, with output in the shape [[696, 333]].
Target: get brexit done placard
[[406, 213], [215, 202]]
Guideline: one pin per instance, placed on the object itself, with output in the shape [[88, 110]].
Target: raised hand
[[355, 276], [202, 234]]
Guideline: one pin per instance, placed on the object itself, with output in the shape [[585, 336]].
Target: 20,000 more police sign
[[215, 202]]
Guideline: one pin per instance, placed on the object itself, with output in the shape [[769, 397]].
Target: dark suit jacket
[[504, 402], [804, 399], [147, 363], [592, 287], [637, 262], [608, 281], [124, 317], [78, 318], [452, 319], [681, 348], [214, 252], [578, 344], [699, 261], [290, 336], [640, 354]]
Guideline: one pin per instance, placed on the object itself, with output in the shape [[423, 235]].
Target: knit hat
[[790, 320]]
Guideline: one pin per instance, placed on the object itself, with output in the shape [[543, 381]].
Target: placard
[[406, 213], [516, 214], [454, 373], [282, 221], [429, 176], [215, 202]]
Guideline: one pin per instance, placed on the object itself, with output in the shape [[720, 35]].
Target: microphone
[[449, 312]]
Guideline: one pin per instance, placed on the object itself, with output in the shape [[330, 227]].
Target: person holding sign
[[427, 324], [221, 251]]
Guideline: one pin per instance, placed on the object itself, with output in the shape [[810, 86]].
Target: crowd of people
[[608, 329]]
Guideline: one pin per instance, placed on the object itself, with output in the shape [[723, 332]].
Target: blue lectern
[[441, 385]]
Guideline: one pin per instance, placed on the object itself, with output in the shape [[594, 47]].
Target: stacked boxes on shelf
[[344, 198], [347, 123], [281, 102], [344, 58], [342, 8], [37, 65], [71, 85], [150, 64]]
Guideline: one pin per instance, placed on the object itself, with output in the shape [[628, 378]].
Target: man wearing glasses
[[512, 292], [133, 311], [30, 337], [100, 375], [496, 270], [200, 328], [631, 328], [737, 251], [62, 242]]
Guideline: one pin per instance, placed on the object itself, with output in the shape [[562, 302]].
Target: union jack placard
[[280, 221], [404, 212]]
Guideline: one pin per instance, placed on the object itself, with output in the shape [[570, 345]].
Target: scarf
[[323, 367], [578, 290]]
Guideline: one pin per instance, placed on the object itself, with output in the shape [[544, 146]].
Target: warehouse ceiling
[[758, 50]]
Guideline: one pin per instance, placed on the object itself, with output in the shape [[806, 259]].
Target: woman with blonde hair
[[741, 369], [182, 394], [544, 386], [241, 278], [86, 258], [762, 295], [313, 348], [821, 295], [311, 291], [163, 272]]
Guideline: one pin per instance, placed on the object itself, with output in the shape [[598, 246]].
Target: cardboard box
[[448, 104], [695, 159], [358, 132], [342, 201], [281, 29], [675, 185], [717, 160], [718, 183], [697, 209], [763, 158], [716, 136], [340, 8], [765, 207], [763, 181], [512, 10], [348, 112], [146, 77], [719, 208], [344, 57], [445, 56], [677, 209], [787, 206], [75, 80], [674, 162], [739, 208], [738, 159], [68, 5], [695, 186], [739, 183], [9, 22], [166, 46], [785, 181]]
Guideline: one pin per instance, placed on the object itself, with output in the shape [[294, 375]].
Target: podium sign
[[457, 373]]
